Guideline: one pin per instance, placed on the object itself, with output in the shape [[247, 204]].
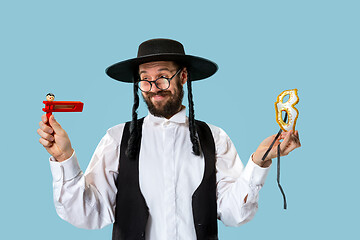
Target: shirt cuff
[[255, 174], [65, 170]]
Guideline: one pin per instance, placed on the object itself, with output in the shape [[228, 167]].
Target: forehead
[[157, 66]]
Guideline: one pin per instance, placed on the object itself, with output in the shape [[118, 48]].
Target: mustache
[[160, 93]]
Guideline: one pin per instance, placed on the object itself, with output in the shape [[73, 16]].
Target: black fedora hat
[[162, 50]]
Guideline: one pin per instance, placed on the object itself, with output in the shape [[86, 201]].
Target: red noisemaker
[[62, 106]]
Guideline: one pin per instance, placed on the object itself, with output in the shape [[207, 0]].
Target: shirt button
[[166, 123]]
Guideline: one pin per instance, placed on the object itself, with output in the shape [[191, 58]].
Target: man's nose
[[154, 88]]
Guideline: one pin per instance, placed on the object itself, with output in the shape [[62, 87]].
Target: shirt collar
[[179, 117]]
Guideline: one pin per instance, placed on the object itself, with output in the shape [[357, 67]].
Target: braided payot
[[192, 127], [133, 143]]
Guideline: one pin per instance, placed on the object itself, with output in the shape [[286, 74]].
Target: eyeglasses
[[161, 83]]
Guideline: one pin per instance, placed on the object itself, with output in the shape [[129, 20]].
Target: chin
[[159, 104]]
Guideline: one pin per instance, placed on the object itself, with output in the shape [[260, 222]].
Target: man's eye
[[163, 76]]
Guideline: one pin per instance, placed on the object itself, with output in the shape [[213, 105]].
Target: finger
[[296, 139], [286, 141], [296, 133], [45, 143], [273, 152], [283, 135], [268, 140], [55, 125], [293, 144], [45, 135], [46, 128], [289, 148], [44, 118]]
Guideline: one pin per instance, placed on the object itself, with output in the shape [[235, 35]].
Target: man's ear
[[184, 76]]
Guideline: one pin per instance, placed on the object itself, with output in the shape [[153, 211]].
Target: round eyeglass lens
[[145, 86], [162, 83]]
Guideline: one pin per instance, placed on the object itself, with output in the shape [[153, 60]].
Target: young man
[[166, 176]]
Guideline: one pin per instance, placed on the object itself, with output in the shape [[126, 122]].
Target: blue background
[[261, 47]]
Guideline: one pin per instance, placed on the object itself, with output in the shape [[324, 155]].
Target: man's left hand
[[290, 142]]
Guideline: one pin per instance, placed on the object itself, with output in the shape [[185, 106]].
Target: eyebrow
[[160, 70]]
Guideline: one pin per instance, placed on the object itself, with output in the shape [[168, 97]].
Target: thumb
[[267, 142], [54, 124]]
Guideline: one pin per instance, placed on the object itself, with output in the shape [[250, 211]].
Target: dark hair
[[133, 143], [50, 94], [192, 125]]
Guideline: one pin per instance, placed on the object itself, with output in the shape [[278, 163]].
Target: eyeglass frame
[[154, 81]]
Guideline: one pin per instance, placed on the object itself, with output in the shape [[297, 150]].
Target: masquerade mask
[[287, 107]]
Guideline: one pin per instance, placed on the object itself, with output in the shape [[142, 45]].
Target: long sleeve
[[237, 186], [88, 200]]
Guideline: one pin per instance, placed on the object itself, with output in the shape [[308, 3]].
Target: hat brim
[[198, 67]]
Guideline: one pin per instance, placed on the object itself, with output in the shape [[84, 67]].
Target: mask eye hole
[[286, 98], [283, 112]]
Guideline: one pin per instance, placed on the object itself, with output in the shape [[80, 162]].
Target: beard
[[169, 108]]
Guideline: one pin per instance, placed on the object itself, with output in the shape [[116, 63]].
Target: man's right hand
[[54, 139]]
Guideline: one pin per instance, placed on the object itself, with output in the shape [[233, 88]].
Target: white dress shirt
[[168, 174]]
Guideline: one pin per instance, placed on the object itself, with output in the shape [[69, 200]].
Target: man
[[166, 176]]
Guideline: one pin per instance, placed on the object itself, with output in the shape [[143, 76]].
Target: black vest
[[131, 212]]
